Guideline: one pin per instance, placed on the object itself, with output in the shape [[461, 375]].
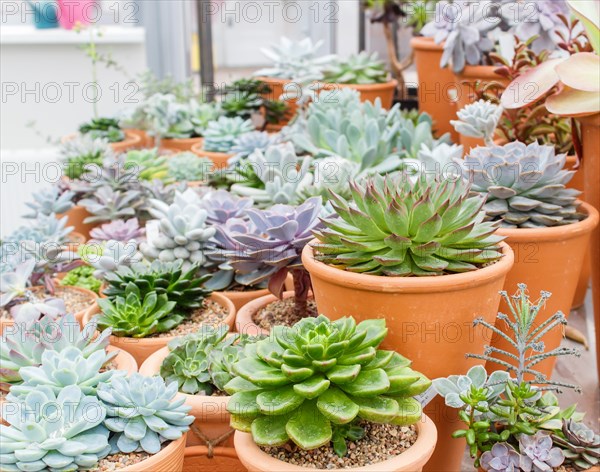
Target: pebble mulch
[[281, 313], [210, 313]]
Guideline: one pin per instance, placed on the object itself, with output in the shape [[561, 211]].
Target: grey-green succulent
[[79, 153], [247, 143], [202, 114], [109, 256], [54, 431], [50, 201], [143, 412], [45, 229], [399, 226], [330, 174], [147, 164], [478, 120], [525, 185], [187, 166], [107, 204], [412, 136], [167, 118], [220, 135], [304, 383], [361, 68]]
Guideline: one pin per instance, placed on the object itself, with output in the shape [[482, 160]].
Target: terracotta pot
[[124, 360], [437, 86], [145, 140], [131, 141], [212, 417], [198, 459], [169, 459], [411, 460], [590, 132], [141, 348], [546, 259], [369, 92], [179, 145], [75, 217], [429, 320], [466, 82], [219, 158], [241, 298], [276, 86]]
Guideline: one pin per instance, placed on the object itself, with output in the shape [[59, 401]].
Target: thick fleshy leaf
[[279, 402], [410, 412], [530, 86], [244, 404], [377, 409], [313, 387], [260, 373], [270, 430], [337, 406], [308, 428], [589, 13], [581, 72], [571, 102], [342, 374], [368, 383], [241, 423]]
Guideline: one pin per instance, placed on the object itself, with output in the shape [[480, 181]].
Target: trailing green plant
[[50, 201], [82, 276], [136, 316], [157, 416], [55, 431], [362, 68], [183, 287], [80, 152], [525, 185], [148, 164], [307, 382], [397, 226], [187, 166], [220, 135], [103, 128]]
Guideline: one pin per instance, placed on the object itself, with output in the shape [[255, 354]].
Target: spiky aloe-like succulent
[[183, 287], [23, 345], [144, 413], [50, 201], [110, 255], [247, 143], [220, 135], [222, 206], [148, 164], [580, 444], [399, 227], [524, 184], [81, 152], [182, 231], [59, 369], [279, 173], [188, 360], [55, 431], [136, 316], [118, 230], [107, 204], [104, 128], [187, 166], [478, 120], [361, 68], [305, 382]]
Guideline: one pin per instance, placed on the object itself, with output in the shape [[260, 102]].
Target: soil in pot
[[381, 442], [281, 313], [211, 313]]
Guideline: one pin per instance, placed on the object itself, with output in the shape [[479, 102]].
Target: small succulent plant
[[113, 173], [148, 164], [157, 416], [478, 120], [220, 135], [187, 166], [281, 176], [59, 369], [201, 114], [188, 361], [136, 316], [82, 276], [45, 229], [53, 431], [222, 206], [414, 134], [110, 256], [167, 118], [248, 143], [182, 231], [305, 382], [580, 444], [525, 185], [23, 345], [81, 152], [103, 128], [537, 452], [50, 201], [108, 205], [330, 174], [13, 284], [184, 288], [361, 68], [118, 230], [398, 227], [502, 457]]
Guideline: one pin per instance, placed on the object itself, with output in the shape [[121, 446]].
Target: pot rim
[[554, 233], [152, 461], [411, 459], [481, 73], [130, 138], [252, 307], [194, 141], [390, 84], [198, 149], [424, 43], [125, 358], [161, 341], [431, 284]]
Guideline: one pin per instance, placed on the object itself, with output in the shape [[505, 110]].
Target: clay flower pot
[[276, 86], [145, 140], [219, 159], [369, 92], [546, 259], [212, 417], [123, 360], [131, 141], [75, 217], [142, 348], [199, 458], [437, 86], [179, 145], [430, 317], [169, 459], [241, 298], [411, 460]]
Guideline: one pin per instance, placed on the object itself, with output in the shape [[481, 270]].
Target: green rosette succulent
[[56, 431], [132, 315], [310, 382], [361, 68], [397, 226]]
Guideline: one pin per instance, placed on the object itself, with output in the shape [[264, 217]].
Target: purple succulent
[[537, 453], [501, 458], [119, 230], [29, 312], [222, 205]]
